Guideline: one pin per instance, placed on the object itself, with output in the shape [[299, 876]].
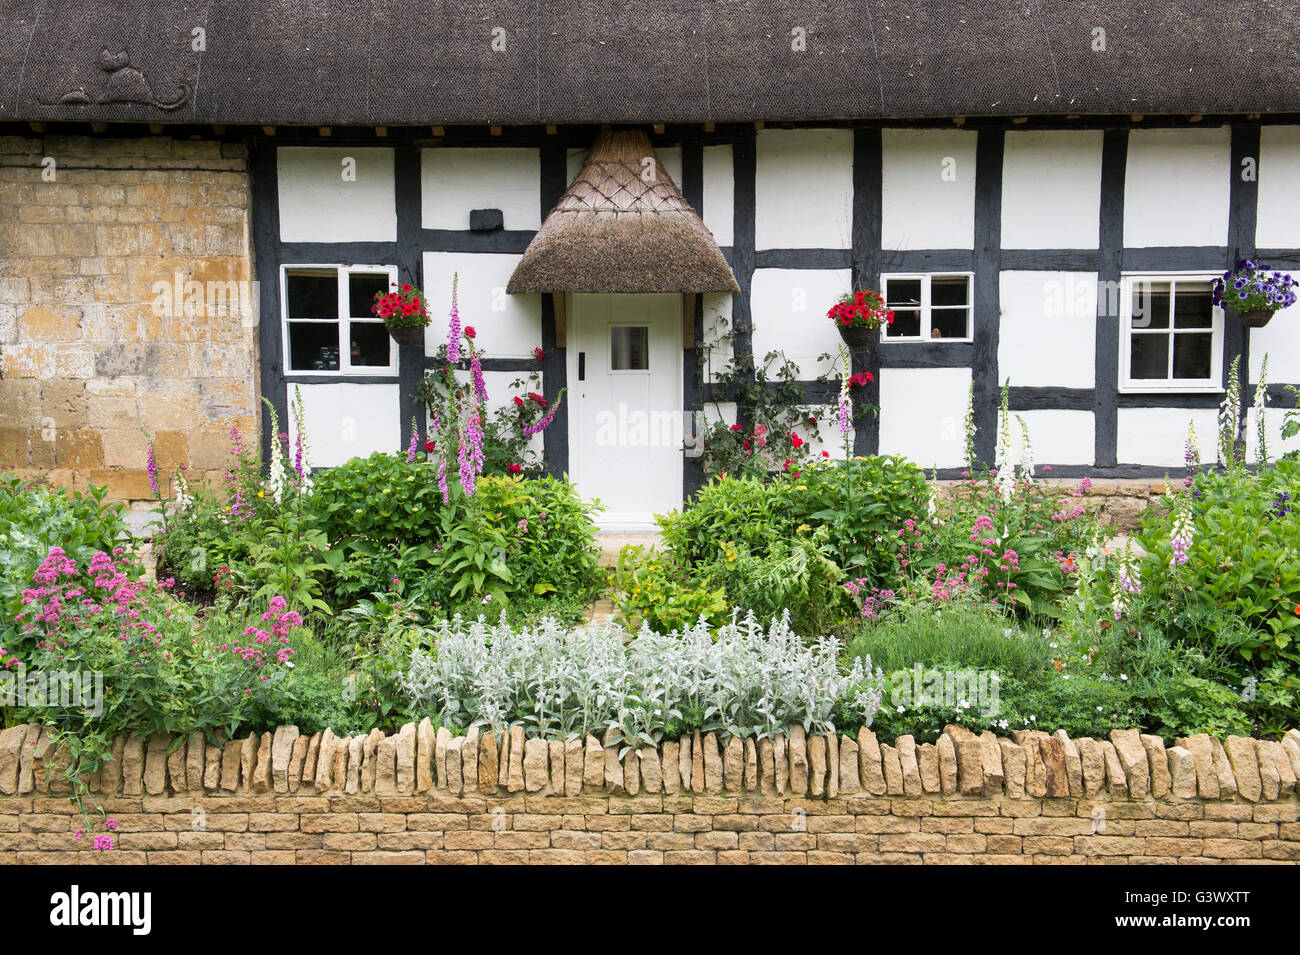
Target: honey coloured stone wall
[[125, 303], [424, 796]]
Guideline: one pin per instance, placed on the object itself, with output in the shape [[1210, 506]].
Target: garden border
[[421, 795]]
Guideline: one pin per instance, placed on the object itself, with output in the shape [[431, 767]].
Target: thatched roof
[[614, 231], [417, 62]]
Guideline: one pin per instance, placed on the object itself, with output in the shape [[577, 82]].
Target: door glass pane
[[1193, 306], [313, 295], [1192, 355], [629, 348], [1150, 356], [907, 324], [314, 346], [362, 287], [948, 323], [1150, 304], [369, 344], [949, 291]]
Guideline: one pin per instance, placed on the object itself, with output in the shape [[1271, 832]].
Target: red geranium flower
[[539, 354], [514, 468], [430, 446], [737, 427], [469, 331], [519, 401], [795, 440]]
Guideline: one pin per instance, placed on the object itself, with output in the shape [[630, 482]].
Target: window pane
[[362, 287], [1150, 356], [369, 344], [903, 292], [1192, 355], [1150, 305], [314, 346], [1193, 306], [949, 291], [907, 323], [313, 295], [629, 348], [949, 323]]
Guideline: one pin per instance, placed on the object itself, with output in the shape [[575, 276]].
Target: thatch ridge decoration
[[623, 226]]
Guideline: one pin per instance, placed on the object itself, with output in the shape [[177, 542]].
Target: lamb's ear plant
[[741, 679]]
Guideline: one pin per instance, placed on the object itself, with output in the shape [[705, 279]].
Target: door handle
[[582, 366]]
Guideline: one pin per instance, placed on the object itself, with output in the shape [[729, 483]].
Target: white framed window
[[328, 326], [1171, 333], [929, 306]]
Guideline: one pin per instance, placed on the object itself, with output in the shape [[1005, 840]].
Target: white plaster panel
[[1048, 331], [1280, 340], [719, 193], [803, 189], [928, 189], [1176, 187], [346, 421], [1273, 418], [1278, 225], [508, 326], [1056, 437], [318, 205], [922, 412], [1158, 436], [1051, 189], [454, 181], [789, 314]]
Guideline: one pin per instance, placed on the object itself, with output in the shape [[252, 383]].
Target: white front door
[[625, 419]]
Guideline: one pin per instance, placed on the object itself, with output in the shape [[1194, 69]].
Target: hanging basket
[[858, 336], [408, 336], [1255, 318]]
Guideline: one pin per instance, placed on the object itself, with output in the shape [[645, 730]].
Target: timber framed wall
[[740, 152]]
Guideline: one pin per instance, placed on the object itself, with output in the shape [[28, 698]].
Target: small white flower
[[1123, 676]]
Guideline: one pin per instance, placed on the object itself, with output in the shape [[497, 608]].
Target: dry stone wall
[[422, 795], [94, 350]]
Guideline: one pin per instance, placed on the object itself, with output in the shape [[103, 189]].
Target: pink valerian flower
[[103, 843], [110, 824], [453, 325], [1085, 485]]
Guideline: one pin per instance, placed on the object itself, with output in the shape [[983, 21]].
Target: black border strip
[[267, 256], [692, 392], [868, 183], [1110, 250], [803, 258], [555, 373], [987, 295]]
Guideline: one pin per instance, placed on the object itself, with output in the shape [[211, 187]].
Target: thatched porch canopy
[[623, 226]]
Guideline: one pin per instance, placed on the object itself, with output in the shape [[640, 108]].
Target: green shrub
[[550, 532], [652, 588], [793, 575], [1241, 558], [862, 503], [379, 498], [742, 510]]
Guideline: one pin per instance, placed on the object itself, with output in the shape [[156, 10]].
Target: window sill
[[1174, 389]]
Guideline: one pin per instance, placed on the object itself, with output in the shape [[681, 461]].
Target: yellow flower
[[803, 528], [260, 494]]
